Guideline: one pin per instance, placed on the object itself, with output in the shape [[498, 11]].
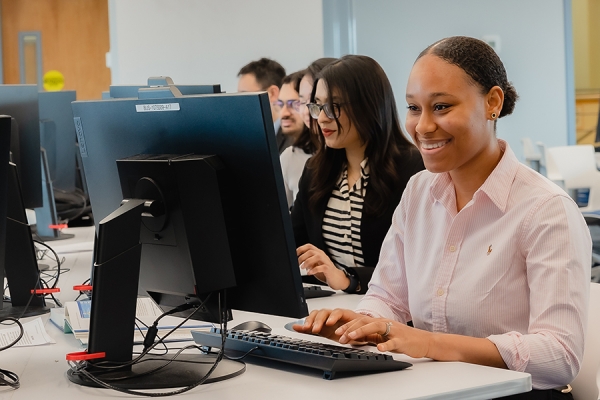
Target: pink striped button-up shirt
[[512, 266]]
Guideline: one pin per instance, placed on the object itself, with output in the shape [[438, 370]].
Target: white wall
[[208, 41], [532, 39]]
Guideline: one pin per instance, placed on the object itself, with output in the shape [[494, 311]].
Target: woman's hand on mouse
[[319, 265], [326, 322]]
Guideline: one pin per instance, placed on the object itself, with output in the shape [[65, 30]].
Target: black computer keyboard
[[328, 358], [314, 291]]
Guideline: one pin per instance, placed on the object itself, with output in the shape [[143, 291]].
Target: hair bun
[[510, 98]]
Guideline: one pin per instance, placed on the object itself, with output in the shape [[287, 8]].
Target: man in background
[[288, 105], [264, 75]]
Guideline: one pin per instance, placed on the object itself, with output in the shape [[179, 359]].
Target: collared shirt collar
[[364, 173], [496, 187]]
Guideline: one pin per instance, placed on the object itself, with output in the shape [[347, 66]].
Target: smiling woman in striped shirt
[[351, 186], [487, 258]]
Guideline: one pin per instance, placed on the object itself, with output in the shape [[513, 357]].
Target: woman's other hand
[[387, 334], [318, 264], [326, 322]]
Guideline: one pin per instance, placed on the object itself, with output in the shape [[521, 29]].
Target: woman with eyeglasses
[[302, 146], [307, 83], [294, 157], [351, 186], [489, 259]]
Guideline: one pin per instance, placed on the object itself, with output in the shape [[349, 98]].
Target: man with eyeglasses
[[288, 105]]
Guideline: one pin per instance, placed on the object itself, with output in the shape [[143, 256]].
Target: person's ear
[[494, 102], [273, 92]]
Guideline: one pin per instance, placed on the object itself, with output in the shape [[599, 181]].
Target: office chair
[[542, 150], [575, 166], [552, 171], [585, 386], [532, 156], [593, 223]]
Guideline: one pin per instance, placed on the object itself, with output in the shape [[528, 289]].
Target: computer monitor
[[47, 223], [236, 130], [5, 128], [59, 164], [17, 253], [57, 137], [133, 91], [21, 103]]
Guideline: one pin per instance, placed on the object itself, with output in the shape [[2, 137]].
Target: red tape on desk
[[84, 356], [45, 291], [58, 227]]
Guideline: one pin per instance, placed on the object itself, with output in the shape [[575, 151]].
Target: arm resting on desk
[[417, 343]]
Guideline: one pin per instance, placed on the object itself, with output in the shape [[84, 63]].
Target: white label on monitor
[[157, 107]]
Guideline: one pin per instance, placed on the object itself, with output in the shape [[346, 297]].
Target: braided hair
[[480, 62]]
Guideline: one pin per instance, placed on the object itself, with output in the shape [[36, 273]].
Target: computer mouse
[[256, 326]]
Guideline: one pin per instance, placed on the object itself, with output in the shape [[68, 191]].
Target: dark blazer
[[307, 222]]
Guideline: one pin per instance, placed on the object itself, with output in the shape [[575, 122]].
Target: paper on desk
[[57, 317], [76, 320], [77, 313], [35, 334]]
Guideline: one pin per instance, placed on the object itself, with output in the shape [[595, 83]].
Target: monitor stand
[[20, 263], [22, 273], [116, 276], [7, 310], [186, 370]]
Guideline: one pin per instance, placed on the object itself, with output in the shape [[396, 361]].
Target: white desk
[[42, 369]]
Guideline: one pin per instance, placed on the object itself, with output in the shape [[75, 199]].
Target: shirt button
[[440, 292], [452, 249]]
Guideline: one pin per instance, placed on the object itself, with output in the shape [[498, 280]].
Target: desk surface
[[42, 369]]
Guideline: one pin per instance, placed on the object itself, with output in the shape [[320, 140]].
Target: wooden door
[[74, 38]]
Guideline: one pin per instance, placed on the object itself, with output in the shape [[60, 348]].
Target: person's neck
[[293, 135], [354, 156], [469, 178]]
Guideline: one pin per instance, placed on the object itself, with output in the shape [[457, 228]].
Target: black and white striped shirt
[[341, 223]]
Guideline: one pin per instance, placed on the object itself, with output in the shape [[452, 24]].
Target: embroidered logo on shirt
[[489, 250]]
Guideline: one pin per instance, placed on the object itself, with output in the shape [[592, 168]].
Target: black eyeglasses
[[294, 104], [332, 110]]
